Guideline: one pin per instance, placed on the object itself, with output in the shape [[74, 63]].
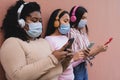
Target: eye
[[34, 20], [66, 20], [84, 17]]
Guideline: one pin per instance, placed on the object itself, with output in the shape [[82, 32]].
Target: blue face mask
[[82, 23], [35, 29], [64, 29]]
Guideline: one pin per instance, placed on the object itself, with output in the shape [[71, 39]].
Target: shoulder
[[48, 38], [73, 32], [11, 40], [9, 46], [43, 41], [11, 43]]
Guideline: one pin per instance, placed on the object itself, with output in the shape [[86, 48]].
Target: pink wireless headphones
[[73, 17]]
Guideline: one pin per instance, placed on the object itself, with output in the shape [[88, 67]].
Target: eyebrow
[[35, 18], [84, 17]]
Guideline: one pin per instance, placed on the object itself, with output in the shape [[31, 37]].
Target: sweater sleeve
[[13, 60]]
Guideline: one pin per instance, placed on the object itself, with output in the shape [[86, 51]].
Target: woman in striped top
[[79, 31]]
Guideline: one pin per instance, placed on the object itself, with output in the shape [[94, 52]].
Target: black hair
[[78, 13], [10, 24], [50, 26]]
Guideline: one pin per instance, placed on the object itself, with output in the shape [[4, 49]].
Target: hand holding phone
[[70, 41], [110, 39]]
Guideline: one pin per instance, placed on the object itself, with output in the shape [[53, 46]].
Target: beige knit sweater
[[29, 61]]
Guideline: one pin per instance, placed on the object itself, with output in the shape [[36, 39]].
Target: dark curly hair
[[10, 24]]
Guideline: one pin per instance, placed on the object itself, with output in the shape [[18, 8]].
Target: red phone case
[[110, 39]]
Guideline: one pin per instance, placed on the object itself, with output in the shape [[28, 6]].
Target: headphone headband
[[21, 22], [73, 18], [74, 10], [57, 17], [56, 22], [20, 9]]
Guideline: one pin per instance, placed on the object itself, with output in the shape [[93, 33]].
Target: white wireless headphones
[[21, 21]]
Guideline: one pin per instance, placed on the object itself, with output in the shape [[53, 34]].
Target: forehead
[[35, 14], [65, 16]]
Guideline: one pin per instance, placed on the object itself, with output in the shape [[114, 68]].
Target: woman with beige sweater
[[23, 55]]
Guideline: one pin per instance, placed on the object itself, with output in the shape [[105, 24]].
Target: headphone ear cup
[[73, 18], [21, 22], [56, 23]]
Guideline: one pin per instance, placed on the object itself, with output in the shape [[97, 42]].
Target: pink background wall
[[103, 22]]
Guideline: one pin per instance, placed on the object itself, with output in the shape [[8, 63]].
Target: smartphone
[[110, 39], [91, 44], [70, 41]]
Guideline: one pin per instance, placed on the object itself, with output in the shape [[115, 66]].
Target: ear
[[26, 28]]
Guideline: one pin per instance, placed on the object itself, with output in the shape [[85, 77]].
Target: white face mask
[[82, 23], [35, 29]]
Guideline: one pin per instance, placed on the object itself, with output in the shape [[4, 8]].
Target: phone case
[[70, 41]]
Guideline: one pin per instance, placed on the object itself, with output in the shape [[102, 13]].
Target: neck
[[56, 33], [31, 39]]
